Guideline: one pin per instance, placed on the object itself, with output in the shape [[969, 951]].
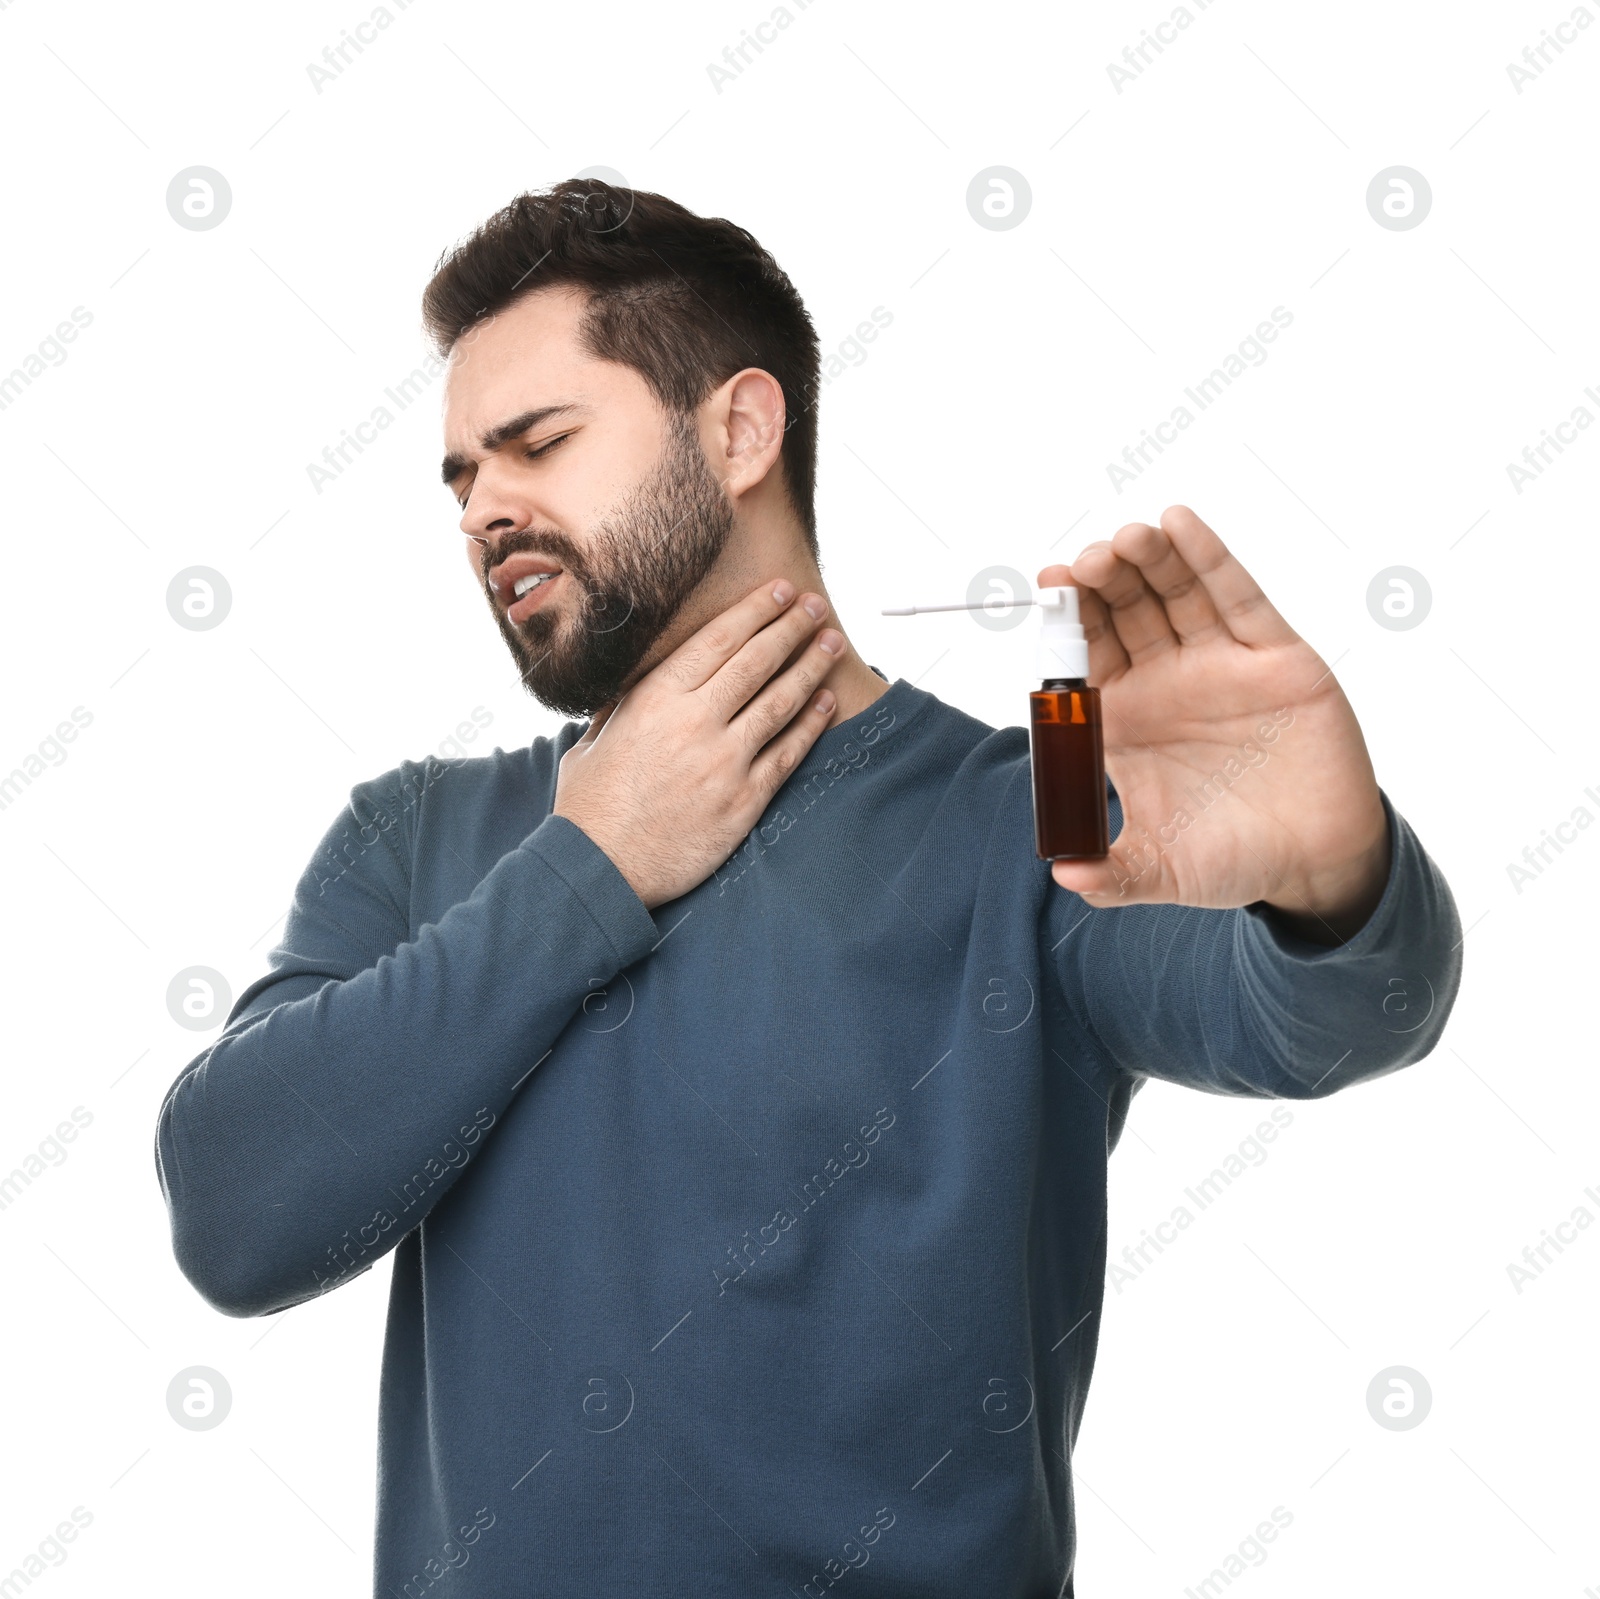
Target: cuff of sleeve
[[1287, 946], [591, 874]]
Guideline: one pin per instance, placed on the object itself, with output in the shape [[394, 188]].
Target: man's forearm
[[310, 1124]]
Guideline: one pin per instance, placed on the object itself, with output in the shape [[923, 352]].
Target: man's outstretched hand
[[1192, 662]]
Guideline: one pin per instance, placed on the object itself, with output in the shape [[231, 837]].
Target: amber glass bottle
[[1069, 782], [1069, 770]]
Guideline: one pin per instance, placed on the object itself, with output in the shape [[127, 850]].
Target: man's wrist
[[1334, 908]]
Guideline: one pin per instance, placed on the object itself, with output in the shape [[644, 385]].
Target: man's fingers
[[703, 654], [741, 680], [771, 769], [1150, 588], [779, 701], [1190, 612], [1136, 611], [1245, 611]]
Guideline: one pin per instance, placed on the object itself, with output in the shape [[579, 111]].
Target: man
[[732, 1083]]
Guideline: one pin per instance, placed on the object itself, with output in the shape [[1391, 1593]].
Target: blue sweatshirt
[[760, 1238]]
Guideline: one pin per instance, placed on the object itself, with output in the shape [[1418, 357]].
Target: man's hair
[[684, 300]]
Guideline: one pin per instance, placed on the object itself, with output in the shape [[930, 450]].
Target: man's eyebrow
[[453, 465]]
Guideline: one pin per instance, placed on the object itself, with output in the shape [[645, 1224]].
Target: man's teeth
[[533, 580]]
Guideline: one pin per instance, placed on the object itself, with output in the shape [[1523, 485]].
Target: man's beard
[[638, 566]]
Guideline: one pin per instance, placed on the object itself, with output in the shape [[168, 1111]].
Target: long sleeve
[[1229, 1002], [353, 1082]]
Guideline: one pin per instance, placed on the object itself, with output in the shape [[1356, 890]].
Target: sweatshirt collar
[[883, 719]]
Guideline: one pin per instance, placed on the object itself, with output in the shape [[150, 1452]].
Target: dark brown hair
[[684, 300]]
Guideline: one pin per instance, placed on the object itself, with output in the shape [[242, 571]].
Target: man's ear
[[747, 415]]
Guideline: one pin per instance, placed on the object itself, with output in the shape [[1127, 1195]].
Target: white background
[[1167, 220]]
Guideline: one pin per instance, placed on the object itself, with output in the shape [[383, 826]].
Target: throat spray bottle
[[1069, 763], [1064, 731]]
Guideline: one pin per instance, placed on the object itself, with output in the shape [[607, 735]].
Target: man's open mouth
[[518, 582], [526, 594]]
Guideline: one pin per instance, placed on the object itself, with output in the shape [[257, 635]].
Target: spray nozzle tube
[[1050, 598], [1063, 651]]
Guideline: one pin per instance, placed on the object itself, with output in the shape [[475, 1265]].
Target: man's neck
[[852, 681], [855, 685], [764, 551]]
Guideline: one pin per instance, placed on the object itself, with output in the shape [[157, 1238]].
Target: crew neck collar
[[899, 703]]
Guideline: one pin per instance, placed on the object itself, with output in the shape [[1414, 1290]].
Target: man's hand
[[673, 777], [1193, 662]]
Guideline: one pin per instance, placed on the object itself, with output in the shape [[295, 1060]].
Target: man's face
[[570, 464]]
